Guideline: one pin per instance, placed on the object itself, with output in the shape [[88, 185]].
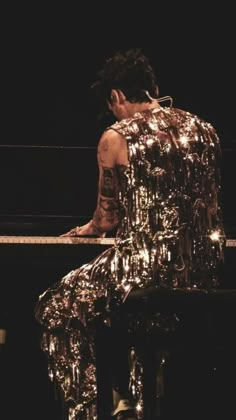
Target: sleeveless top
[[171, 231]]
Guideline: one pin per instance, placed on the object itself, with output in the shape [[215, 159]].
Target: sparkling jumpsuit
[[170, 235]]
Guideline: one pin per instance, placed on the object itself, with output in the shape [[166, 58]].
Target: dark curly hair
[[129, 71]]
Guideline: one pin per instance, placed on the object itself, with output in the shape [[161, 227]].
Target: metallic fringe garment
[[170, 236]]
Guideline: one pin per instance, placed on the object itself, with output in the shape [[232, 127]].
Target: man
[[159, 187]]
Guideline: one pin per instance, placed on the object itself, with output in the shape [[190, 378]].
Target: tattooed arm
[[112, 152]]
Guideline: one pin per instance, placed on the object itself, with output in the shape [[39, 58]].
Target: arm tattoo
[[107, 210], [108, 184]]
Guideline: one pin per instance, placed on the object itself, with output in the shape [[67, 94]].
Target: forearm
[[106, 215]]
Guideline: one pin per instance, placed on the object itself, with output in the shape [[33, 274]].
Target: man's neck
[[133, 108]]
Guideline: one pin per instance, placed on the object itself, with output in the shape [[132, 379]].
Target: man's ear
[[114, 96], [117, 96]]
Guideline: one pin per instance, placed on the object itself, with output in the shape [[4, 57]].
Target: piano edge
[[58, 240]]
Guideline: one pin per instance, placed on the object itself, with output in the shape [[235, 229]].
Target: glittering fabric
[[170, 235]]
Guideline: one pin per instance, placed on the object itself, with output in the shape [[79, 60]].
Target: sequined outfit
[[170, 235]]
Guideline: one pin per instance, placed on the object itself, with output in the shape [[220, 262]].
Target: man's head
[[128, 73]]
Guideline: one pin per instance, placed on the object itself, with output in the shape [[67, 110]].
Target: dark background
[[48, 171], [51, 57]]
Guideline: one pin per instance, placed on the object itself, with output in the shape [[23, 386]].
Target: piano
[[58, 240], [57, 255]]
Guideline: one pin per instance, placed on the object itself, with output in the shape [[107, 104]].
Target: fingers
[[72, 232]]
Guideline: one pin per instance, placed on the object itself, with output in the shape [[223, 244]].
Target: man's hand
[[86, 230]]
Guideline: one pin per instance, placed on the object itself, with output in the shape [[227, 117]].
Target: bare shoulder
[[111, 139], [112, 144]]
